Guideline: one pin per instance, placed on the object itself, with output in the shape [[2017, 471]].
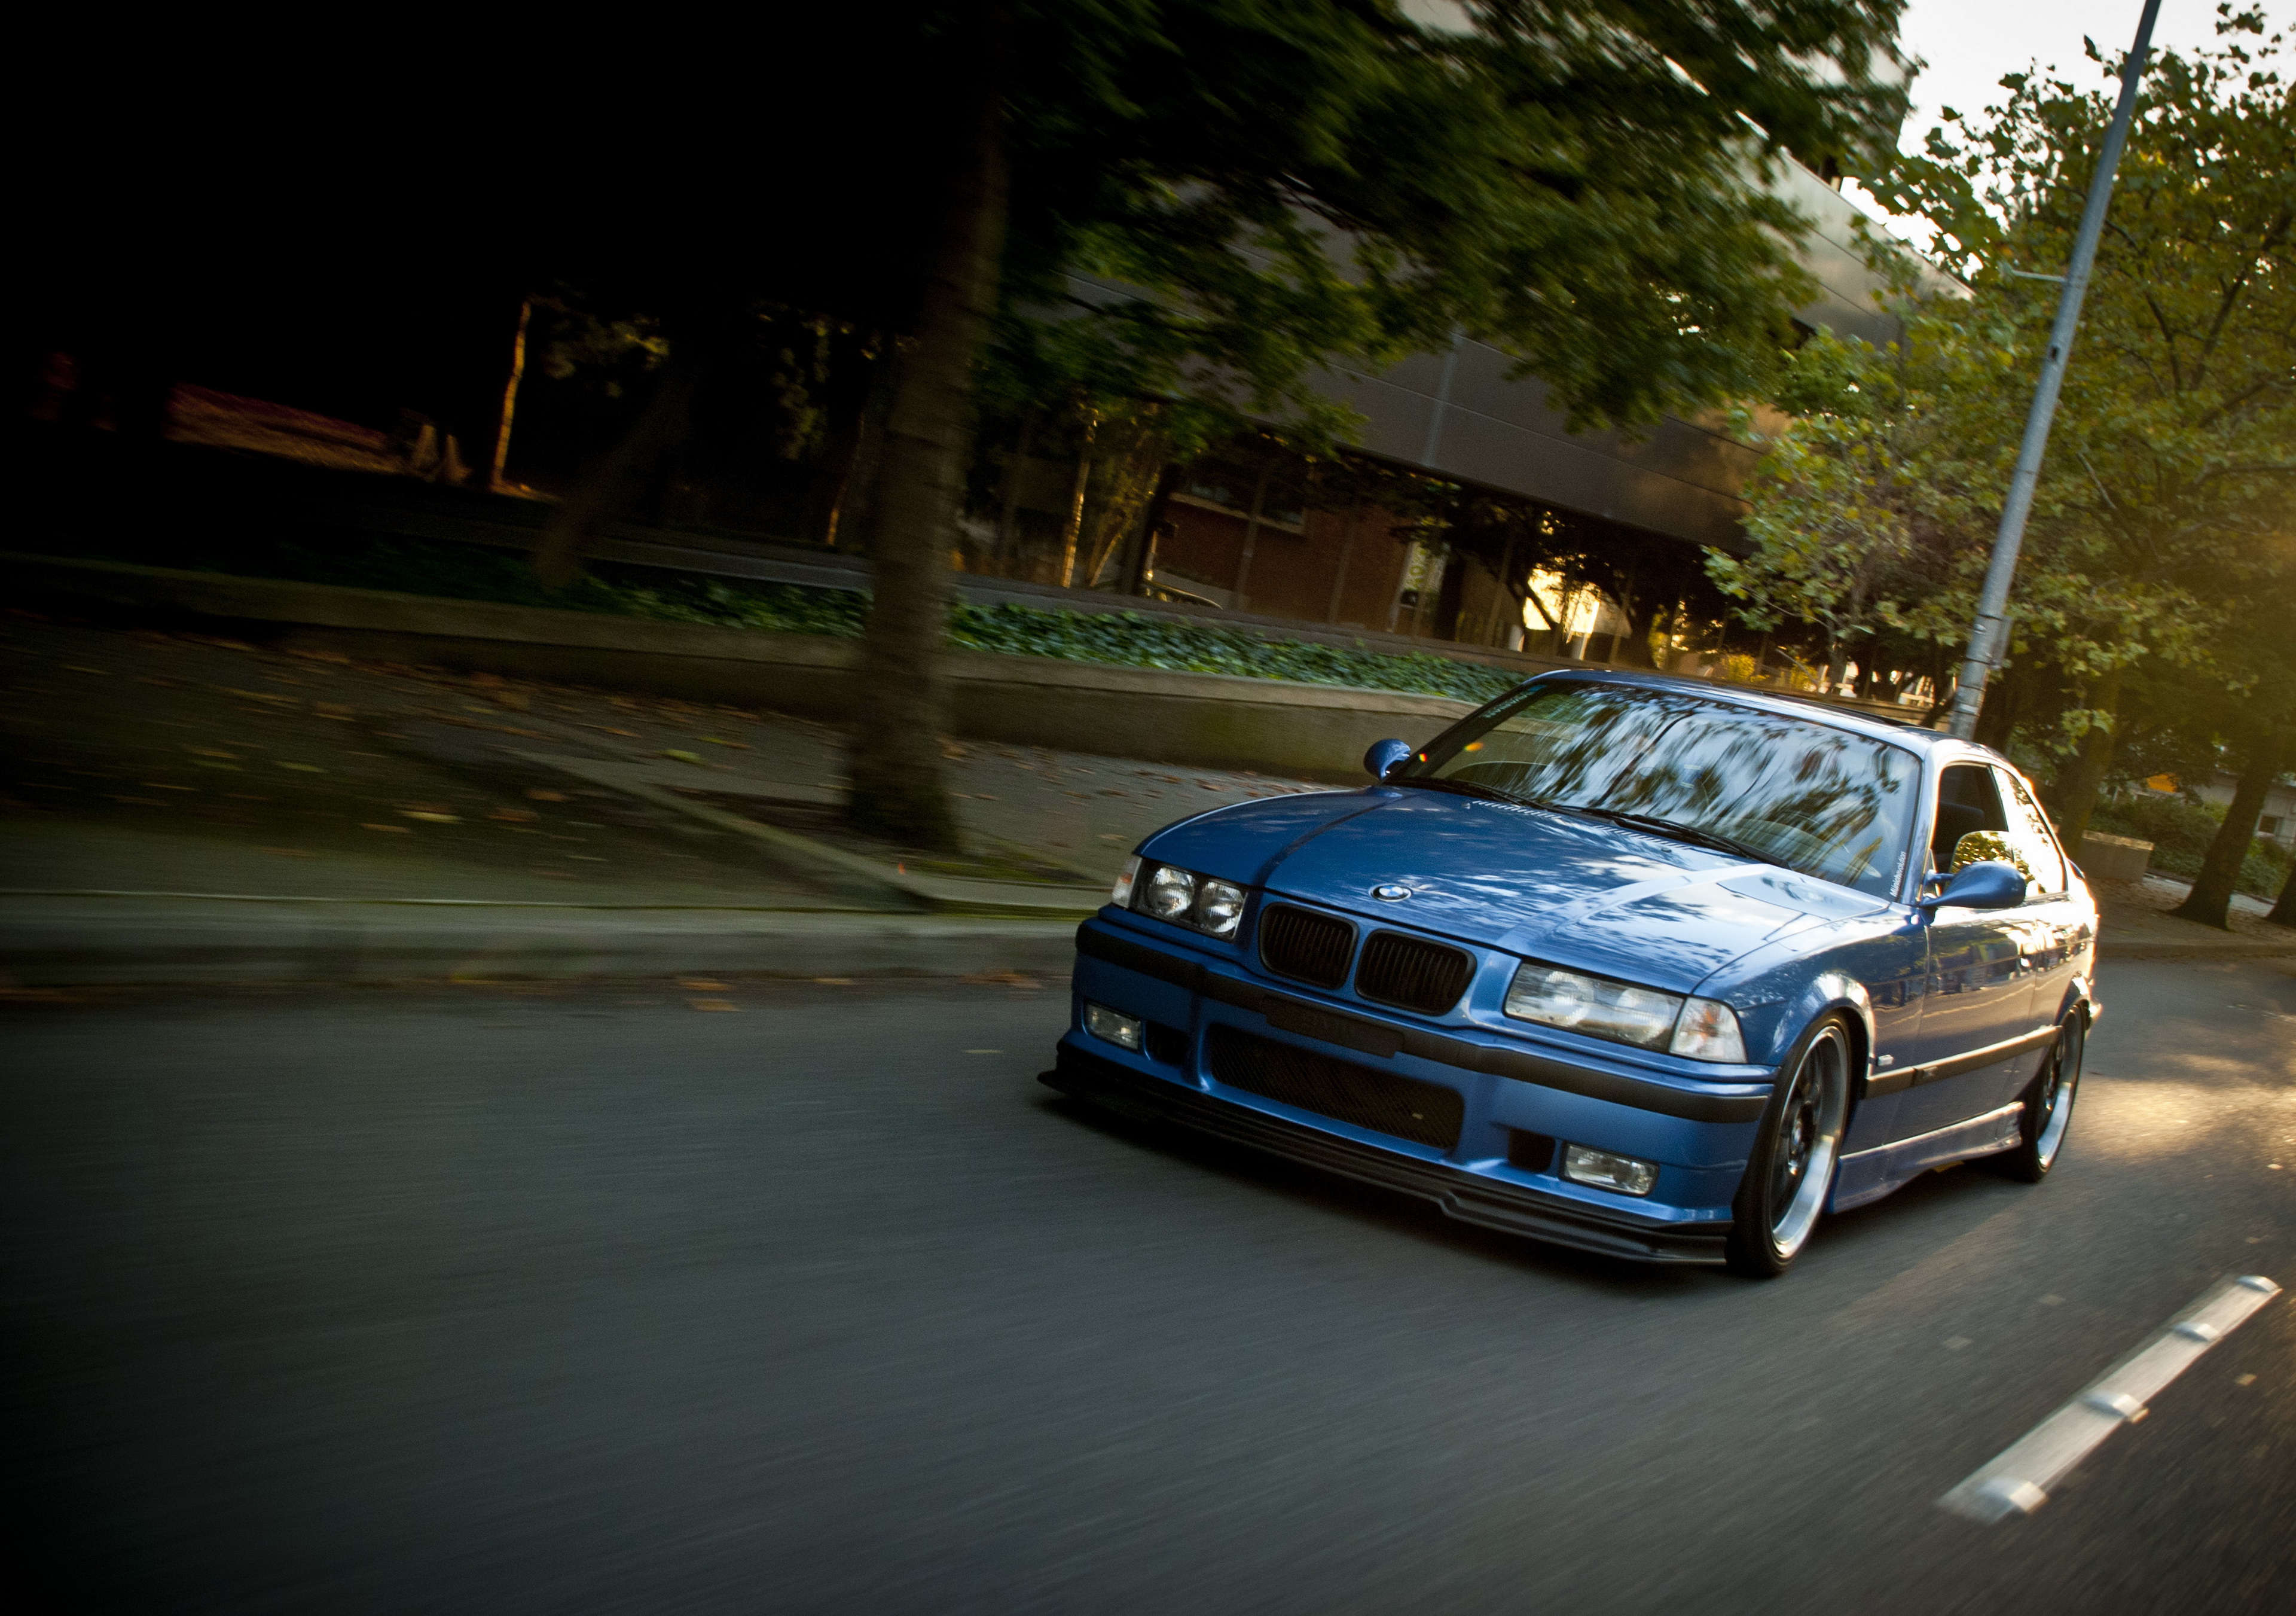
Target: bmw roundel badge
[[1388, 892]]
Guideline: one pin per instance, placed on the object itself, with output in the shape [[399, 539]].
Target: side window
[[1967, 803], [2033, 848]]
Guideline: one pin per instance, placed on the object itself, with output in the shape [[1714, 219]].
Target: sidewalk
[[2137, 924], [182, 807]]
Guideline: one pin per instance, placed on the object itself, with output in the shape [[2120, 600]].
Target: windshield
[[1814, 799]]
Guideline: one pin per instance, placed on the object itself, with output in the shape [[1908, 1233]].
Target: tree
[[2210, 902], [2165, 502], [2163, 506], [1213, 201]]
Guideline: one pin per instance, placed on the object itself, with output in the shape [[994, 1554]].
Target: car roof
[[1905, 731]]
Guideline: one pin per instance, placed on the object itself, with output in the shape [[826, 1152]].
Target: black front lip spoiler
[[1491, 1203]]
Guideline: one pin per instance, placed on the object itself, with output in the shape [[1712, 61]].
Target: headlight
[[1186, 898], [1698, 1029], [1589, 1005]]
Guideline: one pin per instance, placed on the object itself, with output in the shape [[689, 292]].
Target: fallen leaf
[[74, 668], [298, 852], [400, 830], [701, 985], [211, 763], [739, 746], [301, 768], [834, 981], [513, 815], [584, 857], [161, 785], [540, 795], [1003, 979], [433, 818], [205, 752], [713, 1004], [683, 756]]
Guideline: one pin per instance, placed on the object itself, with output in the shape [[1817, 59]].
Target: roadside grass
[[1129, 639]]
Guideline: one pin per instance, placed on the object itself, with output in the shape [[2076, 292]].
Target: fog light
[[1118, 1029], [1606, 1171]]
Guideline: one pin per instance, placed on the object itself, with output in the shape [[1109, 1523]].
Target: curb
[[135, 940]]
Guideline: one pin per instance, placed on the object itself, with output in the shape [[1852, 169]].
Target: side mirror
[[1988, 885], [1384, 755]]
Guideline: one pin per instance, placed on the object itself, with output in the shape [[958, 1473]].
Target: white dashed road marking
[[2018, 1479]]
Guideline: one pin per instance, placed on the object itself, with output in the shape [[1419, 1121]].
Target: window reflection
[[1820, 800]]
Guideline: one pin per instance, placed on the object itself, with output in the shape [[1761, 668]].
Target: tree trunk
[[605, 492], [827, 490], [893, 759], [2283, 909], [2210, 900], [1141, 561], [2084, 773]]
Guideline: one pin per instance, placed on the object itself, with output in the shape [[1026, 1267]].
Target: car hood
[[1575, 892]]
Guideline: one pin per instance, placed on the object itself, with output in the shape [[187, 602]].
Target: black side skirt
[[1512, 1208]]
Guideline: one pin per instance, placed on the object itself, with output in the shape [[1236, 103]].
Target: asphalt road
[[586, 1300]]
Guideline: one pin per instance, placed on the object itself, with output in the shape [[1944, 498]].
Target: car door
[[2049, 923], [1978, 995]]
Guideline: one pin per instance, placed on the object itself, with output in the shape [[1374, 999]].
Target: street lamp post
[[1989, 635]]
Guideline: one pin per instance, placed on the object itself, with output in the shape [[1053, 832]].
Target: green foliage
[[1130, 639], [2180, 831], [2178, 828], [2159, 541], [1215, 202]]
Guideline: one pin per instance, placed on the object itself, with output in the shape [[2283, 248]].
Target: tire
[[2048, 1111], [1791, 1171]]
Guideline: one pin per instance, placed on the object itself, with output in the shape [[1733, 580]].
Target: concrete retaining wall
[[2114, 857], [1211, 720]]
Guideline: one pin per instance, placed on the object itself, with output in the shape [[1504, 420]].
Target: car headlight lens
[[1219, 906], [1708, 1031], [1698, 1029], [1592, 1005], [1170, 893], [1186, 898]]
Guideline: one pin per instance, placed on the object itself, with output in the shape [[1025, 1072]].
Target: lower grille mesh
[[1413, 973], [1425, 1113]]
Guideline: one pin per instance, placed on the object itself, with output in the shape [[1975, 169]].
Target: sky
[[1970, 44]]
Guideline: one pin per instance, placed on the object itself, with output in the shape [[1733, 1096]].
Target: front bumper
[[1510, 1095], [1466, 1196]]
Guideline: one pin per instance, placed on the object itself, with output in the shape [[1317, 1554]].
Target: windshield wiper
[[1687, 833]]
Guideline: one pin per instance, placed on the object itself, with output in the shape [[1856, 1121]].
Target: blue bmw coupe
[[1656, 968]]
